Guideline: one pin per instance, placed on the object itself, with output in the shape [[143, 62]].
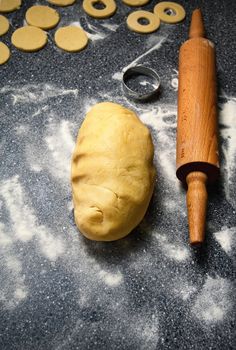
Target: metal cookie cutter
[[136, 71]]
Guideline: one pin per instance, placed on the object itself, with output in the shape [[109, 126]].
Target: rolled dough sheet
[[43, 17], [29, 39], [4, 53], [9, 5], [71, 38], [61, 2], [4, 25]]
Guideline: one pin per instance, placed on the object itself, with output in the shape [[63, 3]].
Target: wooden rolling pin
[[197, 144]]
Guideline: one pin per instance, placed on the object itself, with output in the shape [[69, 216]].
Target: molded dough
[[29, 38], [71, 38], [42, 17], [177, 12], [107, 11], [133, 22], [4, 25], [135, 3], [61, 2], [9, 5], [112, 172], [4, 53]]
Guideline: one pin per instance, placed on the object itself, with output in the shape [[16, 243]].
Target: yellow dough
[[4, 53], [4, 25], [29, 38], [71, 38], [135, 3], [61, 2], [107, 11], [112, 172], [133, 22], [9, 5], [177, 12], [42, 17]]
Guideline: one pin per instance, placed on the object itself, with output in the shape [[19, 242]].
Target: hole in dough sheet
[[170, 12], [143, 21], [99, 5]]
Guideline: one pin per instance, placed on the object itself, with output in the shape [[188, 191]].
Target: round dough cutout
[[169, 12], [43, 17], [71, 38], [29, 39], [134, 18], [9, 5], [4, 53], [135, 3], [107, 10], [4, 25], [61, 2]]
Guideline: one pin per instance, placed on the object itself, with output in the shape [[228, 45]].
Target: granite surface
[[149, 290]]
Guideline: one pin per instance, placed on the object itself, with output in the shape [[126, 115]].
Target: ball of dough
[[42, 17], [9, 5], [71, 38], [29, 38], [4, 25], [4, 53], [112, 172]]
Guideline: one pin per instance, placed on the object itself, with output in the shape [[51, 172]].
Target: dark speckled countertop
[[59, 291]]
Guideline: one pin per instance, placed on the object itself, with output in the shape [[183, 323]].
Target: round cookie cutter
[[108, 10], [133, 21], [136, 71], [169, 12]]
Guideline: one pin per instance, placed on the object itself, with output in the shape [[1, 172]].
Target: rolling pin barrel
[[197, 146]]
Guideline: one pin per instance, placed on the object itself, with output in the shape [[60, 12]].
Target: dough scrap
[[135, 3], [112, 172], [9, 5], [4, 25], [61, 2], [71, 38], [107, 11], [133, 22], [4, 53], [43, 17], [29, 38]]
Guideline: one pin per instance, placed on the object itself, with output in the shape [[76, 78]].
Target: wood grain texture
[[197, 134]]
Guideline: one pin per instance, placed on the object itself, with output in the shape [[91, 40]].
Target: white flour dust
[[24, 221], [175, 251], [226, 238], [213, 302], [32, 93], [111, 279], [227, 117]]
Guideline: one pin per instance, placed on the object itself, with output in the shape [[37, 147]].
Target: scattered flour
[[32, 93], [111, 279], [227, 118], [214, 300], [226, 238], [173, 251], [24, 222]]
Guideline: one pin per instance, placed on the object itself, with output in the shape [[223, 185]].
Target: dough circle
[[112, 172], [108, 11], [9, 5], [43, 17], [4, 25], [4, 53], [133, 22], [29, 38], [178, 12], [61, 2], [135, 3], [71, 38]]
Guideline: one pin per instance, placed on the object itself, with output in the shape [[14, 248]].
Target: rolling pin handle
[[197, 206], [197, 29]]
